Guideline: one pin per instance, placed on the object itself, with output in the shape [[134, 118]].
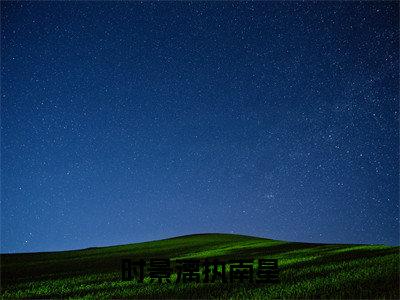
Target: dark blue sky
[[128, 122]]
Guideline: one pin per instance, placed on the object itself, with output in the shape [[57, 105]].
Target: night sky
[[129, 122]]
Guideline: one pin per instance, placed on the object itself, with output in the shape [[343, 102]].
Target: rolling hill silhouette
[[307, 270]]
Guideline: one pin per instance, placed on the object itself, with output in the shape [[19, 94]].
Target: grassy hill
[[306, 270]]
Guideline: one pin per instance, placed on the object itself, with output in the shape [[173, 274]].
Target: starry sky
[[128, 122]]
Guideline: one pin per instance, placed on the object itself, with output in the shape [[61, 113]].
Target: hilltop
[[306, 270]]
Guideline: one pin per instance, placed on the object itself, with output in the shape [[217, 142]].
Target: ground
[[306, 270]]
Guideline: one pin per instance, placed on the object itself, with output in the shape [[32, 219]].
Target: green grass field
[[306, 270]]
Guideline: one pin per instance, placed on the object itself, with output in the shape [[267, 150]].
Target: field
[[306, 270]]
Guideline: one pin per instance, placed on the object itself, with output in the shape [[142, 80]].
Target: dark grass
[[307, 271]]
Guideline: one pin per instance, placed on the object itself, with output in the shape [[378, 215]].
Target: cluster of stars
[[134, 121]]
